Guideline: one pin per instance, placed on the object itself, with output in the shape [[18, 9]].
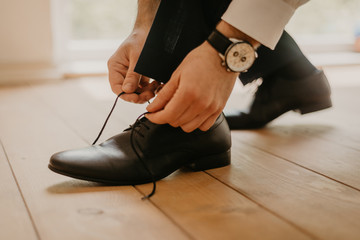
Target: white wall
[[25, 29], [26, 44]]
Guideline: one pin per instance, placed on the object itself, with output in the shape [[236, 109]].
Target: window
[[91, 29], [327, 25], [88, 30]]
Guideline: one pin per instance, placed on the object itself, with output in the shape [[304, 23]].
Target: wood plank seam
[[152, 202], [329, 140], [168, 216], [66, 123], [265, 208], [20, 192], [141, 192], [304, 167], [49, 229]]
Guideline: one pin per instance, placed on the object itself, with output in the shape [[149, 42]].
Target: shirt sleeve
[[263, 20]]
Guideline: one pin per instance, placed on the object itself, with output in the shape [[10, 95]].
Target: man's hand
[[199, 88], [196, 93], [121, 66]]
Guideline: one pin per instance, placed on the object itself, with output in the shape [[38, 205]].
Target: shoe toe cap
[[99, 164], [85, 163], [67, 161]]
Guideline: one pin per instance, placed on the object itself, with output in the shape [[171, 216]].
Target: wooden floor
[[299, 178]]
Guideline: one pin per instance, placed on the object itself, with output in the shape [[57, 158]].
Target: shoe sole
[[201, 164], [210, 162], [314, 106], [108, 182]]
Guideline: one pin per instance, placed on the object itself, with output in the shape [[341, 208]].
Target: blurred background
[[45, 39]]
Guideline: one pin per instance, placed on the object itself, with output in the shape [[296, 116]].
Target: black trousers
[[182, 25]]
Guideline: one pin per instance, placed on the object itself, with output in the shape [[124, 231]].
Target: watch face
[[240, 56]]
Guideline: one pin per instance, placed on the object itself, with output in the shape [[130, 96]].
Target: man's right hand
[[121, 66]]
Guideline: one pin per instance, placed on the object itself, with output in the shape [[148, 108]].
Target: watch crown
[[223, 63]]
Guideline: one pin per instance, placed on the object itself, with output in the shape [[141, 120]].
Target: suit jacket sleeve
[[263, 20]]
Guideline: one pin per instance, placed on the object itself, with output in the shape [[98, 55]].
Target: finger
[[130, 97], [169, 104], [116, 88], [116, 78], [199, 121], [167, 115], [209, 122], [131, 81], [144, 81], [192, 112], [141, 95], [148, 92], [171, 113], [154, 86], [136, 98], [148, 87], [146, 96], [158, 89], [164, 96]]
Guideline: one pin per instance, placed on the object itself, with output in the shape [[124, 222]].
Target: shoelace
[[132, 142]]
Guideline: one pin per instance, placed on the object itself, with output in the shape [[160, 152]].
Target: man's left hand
[[196, 93]]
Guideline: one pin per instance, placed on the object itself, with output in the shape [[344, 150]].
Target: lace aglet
[[145, 198], [150, 194]]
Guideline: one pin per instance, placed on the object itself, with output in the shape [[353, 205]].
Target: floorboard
[[298, 178], [339, 124], [322, 156], [63, 208], [303, 197], [202, 206], [12, 206]]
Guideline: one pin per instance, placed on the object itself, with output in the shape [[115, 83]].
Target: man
[[197, 48]]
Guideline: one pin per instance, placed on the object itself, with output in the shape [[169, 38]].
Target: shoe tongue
[[143, 119]]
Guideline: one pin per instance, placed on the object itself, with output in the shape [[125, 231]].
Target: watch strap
[[219, 41]]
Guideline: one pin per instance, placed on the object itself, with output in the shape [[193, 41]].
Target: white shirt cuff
[[263, 20]]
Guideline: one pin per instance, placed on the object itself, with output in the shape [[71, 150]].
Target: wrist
[[140, 31], [237, 50], [217, 60], [146, 13], [231, 32]]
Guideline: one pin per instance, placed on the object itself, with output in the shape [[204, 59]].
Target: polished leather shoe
[[276, 96], [146, 152]]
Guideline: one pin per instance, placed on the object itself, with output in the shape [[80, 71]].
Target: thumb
[[131, 81]]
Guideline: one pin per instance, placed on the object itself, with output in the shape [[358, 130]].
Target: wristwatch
[[237, 55]]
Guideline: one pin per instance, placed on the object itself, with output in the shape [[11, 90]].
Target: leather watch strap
[[219, 41]]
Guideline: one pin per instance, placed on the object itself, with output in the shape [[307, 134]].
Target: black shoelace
[[132, 142]]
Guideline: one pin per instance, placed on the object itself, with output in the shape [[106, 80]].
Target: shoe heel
[[212, 161], [315, 106]]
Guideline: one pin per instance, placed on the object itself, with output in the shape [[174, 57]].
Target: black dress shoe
[[277, 96], [146, 152]]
